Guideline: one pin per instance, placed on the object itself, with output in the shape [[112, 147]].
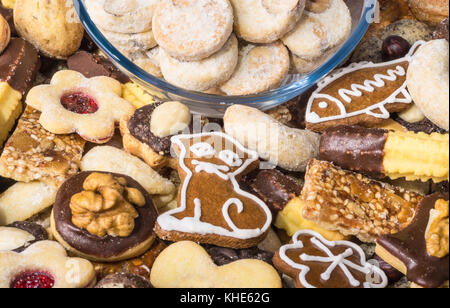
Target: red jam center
[[31, 280], [79, 102]]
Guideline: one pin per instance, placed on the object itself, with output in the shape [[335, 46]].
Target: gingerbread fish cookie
[[363, 93], [315, 262], [220, 213]]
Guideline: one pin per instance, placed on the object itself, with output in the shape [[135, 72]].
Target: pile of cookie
[[194, 44], [103, 185]]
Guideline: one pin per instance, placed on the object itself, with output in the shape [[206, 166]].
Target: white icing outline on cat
[[367, 86], [193, 224], [336, 260]]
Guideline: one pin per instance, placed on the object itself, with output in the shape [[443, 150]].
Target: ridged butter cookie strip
[[382, 153]]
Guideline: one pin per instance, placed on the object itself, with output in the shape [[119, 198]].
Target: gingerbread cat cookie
[[363, 93], [220, 213], [315, 262]]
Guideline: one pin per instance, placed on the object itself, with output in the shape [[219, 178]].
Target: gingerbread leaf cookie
[[315, 262], [363, 93], [218, 213], [44, 264], [73, 103]]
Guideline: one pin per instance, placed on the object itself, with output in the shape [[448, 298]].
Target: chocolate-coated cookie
[[39, 233], [123, 281]]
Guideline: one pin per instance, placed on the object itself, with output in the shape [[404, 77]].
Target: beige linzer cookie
[[289, 148], [129, 43], [122, 16], [72, 103], [265, 21], [192, 29], [204, 74], [34, 198], [220, 213], [51, 26], [5, 33], [260, 68], [46, 265], [317, 31], [428, 81], [188, 265], [360, 94]]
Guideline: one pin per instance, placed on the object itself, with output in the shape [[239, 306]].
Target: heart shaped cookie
[[188, 265]]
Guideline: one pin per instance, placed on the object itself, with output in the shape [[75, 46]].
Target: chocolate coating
[[391, 273], [222, 256], [409, 246], [5, 184], [275, 189], [124, 281], [19, 64], [91, 65], [39, 233], [441, 31], [139, 126], [425, 126], [87, 243], [355, 148]]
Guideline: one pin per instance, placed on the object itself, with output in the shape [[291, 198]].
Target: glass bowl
[[215, 105]]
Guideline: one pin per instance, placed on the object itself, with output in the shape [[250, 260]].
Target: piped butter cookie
[[75, 104], [265, 21], [260, 68], [122, 16], [192, 29], [317, 32], [48, 26], [103, 217], [203, 74]]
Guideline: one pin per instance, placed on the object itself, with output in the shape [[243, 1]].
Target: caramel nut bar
[[383, 153], [32, 153], [353, 204]]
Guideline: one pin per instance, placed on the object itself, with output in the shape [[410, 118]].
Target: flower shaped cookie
[[44, 265], [75, 104]]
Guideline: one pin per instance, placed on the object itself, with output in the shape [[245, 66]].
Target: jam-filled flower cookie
[[44, 264], [73, 103], [103, 217]]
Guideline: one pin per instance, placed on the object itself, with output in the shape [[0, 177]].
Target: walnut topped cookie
[[103, 217]]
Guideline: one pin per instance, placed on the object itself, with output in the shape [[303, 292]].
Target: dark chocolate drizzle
[[87, 243], [19, 64], [409, 246], [139, 126], [355, 148]]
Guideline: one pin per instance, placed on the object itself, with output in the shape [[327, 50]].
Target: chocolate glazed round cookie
[[104, 217]]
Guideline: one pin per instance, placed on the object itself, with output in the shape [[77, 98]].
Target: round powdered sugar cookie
[[148, 61], [317, 30], [304, 66], [204, 74], [129, 43], [428, 81], [265, 21], [192, 30], [122, 16], [259, 69]]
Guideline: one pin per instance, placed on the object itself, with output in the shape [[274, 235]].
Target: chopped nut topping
[[437, 235], [355, 205], [104, 207], [32, 153], [318, 6]]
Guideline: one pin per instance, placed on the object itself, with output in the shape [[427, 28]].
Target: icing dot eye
[[78, 102], [323, 105], [33, 280], [230, 158], [203, 149]]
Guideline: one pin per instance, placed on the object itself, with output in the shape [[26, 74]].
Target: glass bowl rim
[[276, 96]]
